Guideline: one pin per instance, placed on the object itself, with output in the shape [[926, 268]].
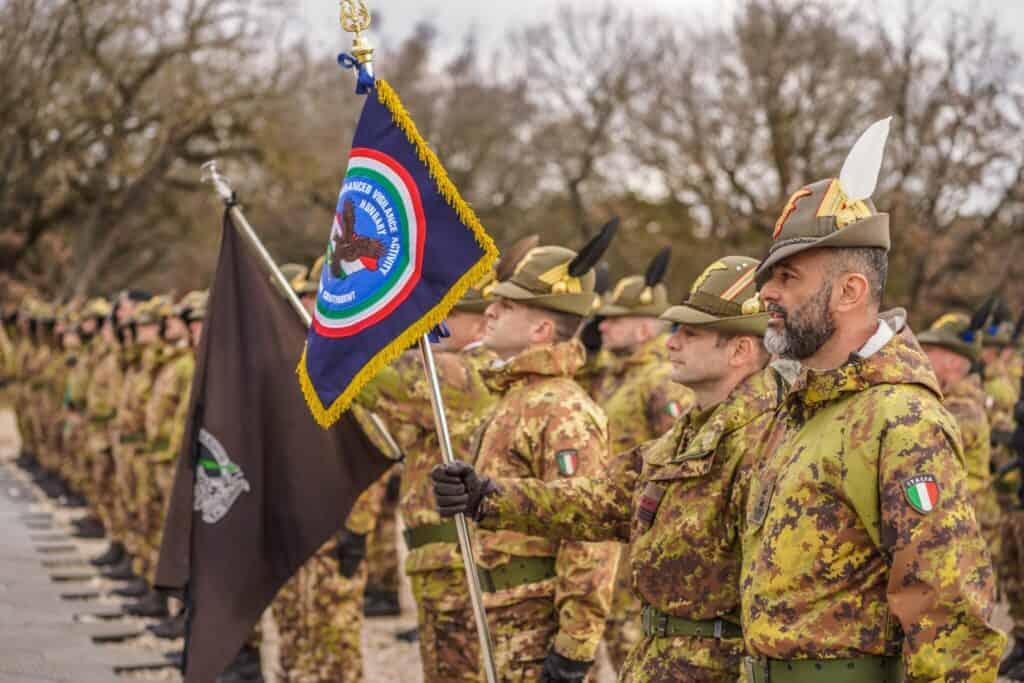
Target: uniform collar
[[560, 359]]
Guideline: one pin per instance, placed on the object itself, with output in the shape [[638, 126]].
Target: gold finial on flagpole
[[356, 18]]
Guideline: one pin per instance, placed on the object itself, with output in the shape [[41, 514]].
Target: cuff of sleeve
[[571, 648], [487, 513]]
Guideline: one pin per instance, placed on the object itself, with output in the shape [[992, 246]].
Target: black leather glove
[[350, 553], [559, 669], [457, 488]]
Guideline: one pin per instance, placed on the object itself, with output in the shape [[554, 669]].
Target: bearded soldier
[[862, 557], [641, 402], [678, 498]]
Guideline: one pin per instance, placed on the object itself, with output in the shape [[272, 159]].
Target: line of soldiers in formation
[[773, 479]]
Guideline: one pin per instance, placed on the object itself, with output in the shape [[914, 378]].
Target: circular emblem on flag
[[922, 492], [375, 251]]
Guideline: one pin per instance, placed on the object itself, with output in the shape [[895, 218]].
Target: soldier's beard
[[803, 331]]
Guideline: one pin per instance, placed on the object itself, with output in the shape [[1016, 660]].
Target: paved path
[[45, 637]]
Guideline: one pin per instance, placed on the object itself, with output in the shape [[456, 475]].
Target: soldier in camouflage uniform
[[862, 557], [641, 402], [547, 601], [953, 350], [164, 425], [449, 649], [77, 347], [677, 498]]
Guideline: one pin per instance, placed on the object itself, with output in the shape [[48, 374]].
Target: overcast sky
[[492, 18]]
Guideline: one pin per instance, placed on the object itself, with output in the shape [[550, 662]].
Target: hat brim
[[472, 306], [737, 324], [580, 303], [872, 231], [613, 311], [957, 346]]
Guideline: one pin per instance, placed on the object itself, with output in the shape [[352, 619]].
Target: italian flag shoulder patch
[[922, 492], [567, 461]]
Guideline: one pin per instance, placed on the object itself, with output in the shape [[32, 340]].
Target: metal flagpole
[[461, 527], [223, 187]]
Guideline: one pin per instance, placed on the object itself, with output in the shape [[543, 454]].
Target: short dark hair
[[566, 324], [871, 262]]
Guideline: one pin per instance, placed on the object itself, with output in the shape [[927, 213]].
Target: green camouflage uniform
[[164, 425], [685, 549], [449, 648], [545, 427], [382, 543], [77, 467], [48, 399], [641, 402], [128, 435], [847, 552], [100, 408], [8, 368], [23, 393], [965, 401]]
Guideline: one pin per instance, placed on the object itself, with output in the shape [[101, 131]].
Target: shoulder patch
[[568, 460], [922, 492], [674, 409]]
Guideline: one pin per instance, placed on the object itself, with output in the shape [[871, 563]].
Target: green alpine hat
[[97, 308], [640, 295], [999, 334], [478, 298], [835, 212], [557, 278], [192, 306], [152, 311], [724, 297], [953, 331]]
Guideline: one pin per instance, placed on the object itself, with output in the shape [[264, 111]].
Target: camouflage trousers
[[449, 648], [623, 630], [522, 634], [124, 512], [683, 658], [75, 456], [319, 616], [382, 550], [154, 481], [102, 488], [1011, 567]]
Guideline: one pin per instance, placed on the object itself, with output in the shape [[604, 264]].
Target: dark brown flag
[[259, 485]]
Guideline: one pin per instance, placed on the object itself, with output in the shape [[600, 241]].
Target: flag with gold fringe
[[403, 249]]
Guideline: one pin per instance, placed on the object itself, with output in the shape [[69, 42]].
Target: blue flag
[[403, 249]]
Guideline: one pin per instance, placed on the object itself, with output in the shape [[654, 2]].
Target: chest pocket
[[659, 477]]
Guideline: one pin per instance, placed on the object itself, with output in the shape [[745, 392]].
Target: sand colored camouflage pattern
[[685, 562], [76, 465], [319, 615], [836, 560], [545, 428], [8, 367], [382, 573], [642, 403], [449, 649], [965, 400], [362, 518], [100, 408]]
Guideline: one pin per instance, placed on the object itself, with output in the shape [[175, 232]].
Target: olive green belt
[[101, 419], [660, 625], [430, 533], [516, 572], [132, 438], [866, 669], [160, 444]]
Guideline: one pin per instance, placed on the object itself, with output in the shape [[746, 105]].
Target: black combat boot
[[152, 605], [381, 604], [73, 500], [136, 588], [169, 629], [90, 527], [1014, 660], [122, 571], [409, 635], [110, 557]]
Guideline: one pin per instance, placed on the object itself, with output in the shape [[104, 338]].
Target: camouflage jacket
[[80, 365], [1001, 395], [140, 363], [860, 536], [101, 397], [545, 428], [678, 499], [171, 384], [640, 398], [362, 518], [399, 394], [965, 400]]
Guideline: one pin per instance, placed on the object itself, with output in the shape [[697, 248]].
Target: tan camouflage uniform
[[641, 403], [164, 426], [449, 649], [545, 427], [685, 551], [77, 467], [100, 408], [837, 561]]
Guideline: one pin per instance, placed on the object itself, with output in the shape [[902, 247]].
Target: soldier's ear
[[851, 291], [542, 330]]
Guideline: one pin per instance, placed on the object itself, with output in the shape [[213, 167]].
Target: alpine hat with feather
[[478, 298], [835, 212], [640, 295], [557, 278]]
